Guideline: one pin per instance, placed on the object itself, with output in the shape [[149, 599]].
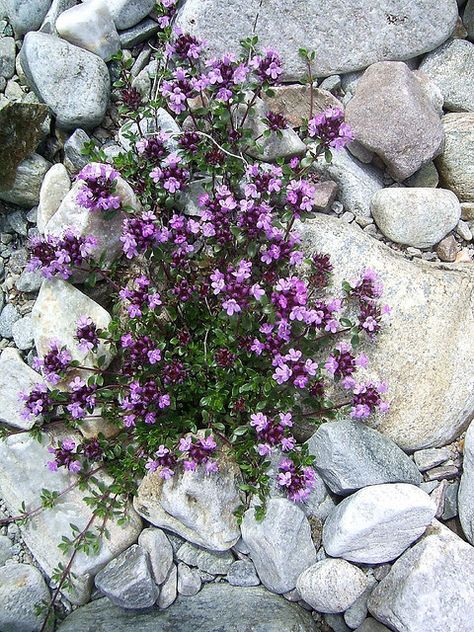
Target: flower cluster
[[65, 455], [60, 255], [97, 193], [54, 364], [330, 129]]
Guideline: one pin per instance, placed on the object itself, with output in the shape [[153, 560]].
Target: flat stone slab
[[346, 36], [217, 607], [424, 353]]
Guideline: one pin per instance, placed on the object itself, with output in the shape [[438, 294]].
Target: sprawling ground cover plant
[[224, 332]]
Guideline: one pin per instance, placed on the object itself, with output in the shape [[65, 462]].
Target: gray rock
[[126, 14], [355, 615], [194, 505], [331, 83], [391, 115], [90, 26], [466, 487], [451, 68], [463, 230], [143, 31], [357, 182], [418, 217], [450, 509], [74, 160], [377, 523], [468, 19], [143, 82], [350, 455], [214, 562], [169, 589], [6, 549], [22, 332], [25, 16], [242, 573], [447, 249], [127, 580], [55, 314], [335, 622], [15, 376], [431, 587], [54, 188], [162, 121], [189, 582], [21, 588], [371, 625], [27, 182], [56, 69], [427, 176], [427, 298], [20, 481], [346, 37], [57, 7], [7, 57], [215, 608], [29, 281], [8, 317], [18, 223], [160, 552], [280, 545], [456, 163], [331, 585], [427, 459]]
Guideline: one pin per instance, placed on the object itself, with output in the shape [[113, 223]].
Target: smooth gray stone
[[466, 487], [26, 186], [139, 33], [242, 573], [456, 163], [216, 608], [25, 15], [214, 562], [427, 459], [189, 581], [349, 455], [21, 587], [56, 70], [22, 332], [74, 159], [57, 7], [8, 317], [127, 13], [7, 57]]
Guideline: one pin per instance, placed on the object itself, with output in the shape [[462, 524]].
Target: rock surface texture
[[430, 407], [466, 487], [456, 163]]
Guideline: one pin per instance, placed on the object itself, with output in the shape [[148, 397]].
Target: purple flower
[[330, 130], [268, 66], [87, 334], [55, 363], [65, 456], [59, 255], [97, 192], [37, 402]]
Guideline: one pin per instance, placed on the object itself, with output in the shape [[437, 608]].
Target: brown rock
[[447, 249], [391, 115], [325, 194], [294, 102]]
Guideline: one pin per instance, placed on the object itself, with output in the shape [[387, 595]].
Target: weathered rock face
[[429, 372], [413, 216], [391, 115], [25, 15], [23, 473], [73, 82], [294, 102], [377, 523], [20, 133], [280, 545], [54, 188], [456, 163], [431, 587], [350, 455], [196, 506], [217, 607], [26, 186], [213, 562], [90, 26], [55, 314], [346, 36], [451, 68], [331, 585], [21, 588], [466, 487], [15, 376]]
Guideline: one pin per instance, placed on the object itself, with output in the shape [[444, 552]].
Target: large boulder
[[22, 587], [391, 115], [280, 545], [415, 216], [456, 163], [377, 523], [25, 15], [429, 372], [346, 36], [350, 455], [23, 473], [216, 608], [431, 587], [466, 487], [21, 130], [73, 82], [197, 506], [451, 68]]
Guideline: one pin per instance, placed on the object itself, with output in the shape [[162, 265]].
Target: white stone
[[22, 587], [377, 523], [431, 587], [23, 473], [160, 551], [280, 545], [418, 217], [90, 25], [15, 376], [466, 487], [196, 506], [55, 314], [431, 326], [54, 188], [169, 590], [331, 585], [189, 582]]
